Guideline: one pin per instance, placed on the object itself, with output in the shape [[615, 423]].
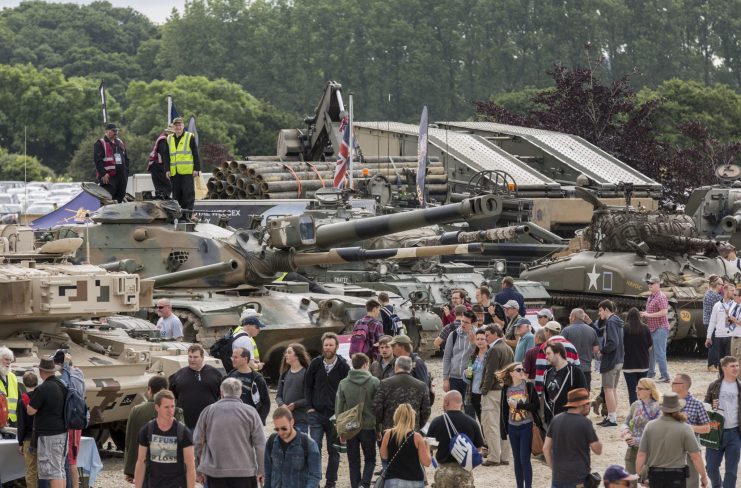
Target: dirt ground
[[501, 476]]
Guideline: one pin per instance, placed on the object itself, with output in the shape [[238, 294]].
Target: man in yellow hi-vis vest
[[183, 164], [8, 383]]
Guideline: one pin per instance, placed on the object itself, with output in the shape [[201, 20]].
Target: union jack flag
[[340, 170]]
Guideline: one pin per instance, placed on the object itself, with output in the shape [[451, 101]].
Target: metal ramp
[[558, 153], [472, 151]]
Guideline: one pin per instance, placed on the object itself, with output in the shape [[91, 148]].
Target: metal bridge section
[[464, 154], [562, 156]]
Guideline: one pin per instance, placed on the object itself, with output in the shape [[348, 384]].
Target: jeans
[[713, 359], [476, 403], [722, 346], [301, 427], [631, 381], [398, 483], [521, 440], [458, 384], [320, 427], [658, 353], [366, 439], [730, 448], [588, 377]]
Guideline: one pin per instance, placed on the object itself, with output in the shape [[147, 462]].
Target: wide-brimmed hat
[[672, 403], [47, 365], [616, 472], [578, 397], [512, 304]]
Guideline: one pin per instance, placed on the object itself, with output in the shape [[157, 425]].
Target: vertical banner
[[422, 158], [350, 145], [101, 91]]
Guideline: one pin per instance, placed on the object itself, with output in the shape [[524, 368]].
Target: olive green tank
[[622, 248]]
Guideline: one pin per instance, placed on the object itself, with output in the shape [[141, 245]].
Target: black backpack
[[222, 349]]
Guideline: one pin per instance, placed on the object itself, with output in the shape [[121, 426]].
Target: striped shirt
[[655, 303], [708, 301], [542, 365]]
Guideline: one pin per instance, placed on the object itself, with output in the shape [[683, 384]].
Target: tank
[[212, 273], [45, 293], [716, 209], [622, 248]]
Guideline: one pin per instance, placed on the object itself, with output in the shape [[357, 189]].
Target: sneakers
[[664, 380], [712, 369], [607, 423]]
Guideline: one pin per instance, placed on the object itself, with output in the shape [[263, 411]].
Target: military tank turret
[[716, 209], [623, 247], [44, 292], [212, 273]]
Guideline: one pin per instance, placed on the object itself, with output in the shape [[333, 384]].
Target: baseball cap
[[512, 304], [252, 320], [545, 312], [616, 472], [401, 339], [111, 126], [653, 279], [177, 120], [553, 325]]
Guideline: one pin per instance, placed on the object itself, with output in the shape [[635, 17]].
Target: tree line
[[246, 69]]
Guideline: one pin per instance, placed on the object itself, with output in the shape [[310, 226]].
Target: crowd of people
[[512, 390]]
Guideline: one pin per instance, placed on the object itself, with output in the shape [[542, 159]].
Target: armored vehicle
[[716, 209], [211, 273], [623, 247], [43, 292]]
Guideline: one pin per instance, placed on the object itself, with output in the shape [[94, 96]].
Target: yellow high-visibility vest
[[12, 394], [181, 157], [255, 350]]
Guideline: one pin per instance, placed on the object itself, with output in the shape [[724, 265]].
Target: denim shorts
[[398, 483], [52, 453]]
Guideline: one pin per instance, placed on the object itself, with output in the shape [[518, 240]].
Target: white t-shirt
[[728, 403], [170, 327]]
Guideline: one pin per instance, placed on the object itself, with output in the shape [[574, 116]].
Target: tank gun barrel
[[731, 223], [127, 265], [195, 273], [331, 235], [680, 243], [351, 254], [488, 235]]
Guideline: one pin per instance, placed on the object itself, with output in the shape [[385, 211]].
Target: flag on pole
[[192, 128], [101, 90], [340, 170], [422, 158], [351, 144], [172, 113]]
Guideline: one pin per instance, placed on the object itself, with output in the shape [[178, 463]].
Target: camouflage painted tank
[[211, 273], [43, 292], [623, 247]]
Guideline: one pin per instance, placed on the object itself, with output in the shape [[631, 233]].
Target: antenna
[[25, 163]]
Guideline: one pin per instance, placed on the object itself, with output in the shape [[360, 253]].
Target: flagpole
[[351, 144], [169, 109]]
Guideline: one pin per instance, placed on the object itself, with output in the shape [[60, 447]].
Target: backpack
[[397, 324], [350, 422], [222, 349], [461, 447], [304, 443], [360, 340], [76, 414]]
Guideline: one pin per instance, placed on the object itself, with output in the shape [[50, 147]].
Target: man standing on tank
[[111, 163], [183, 164]]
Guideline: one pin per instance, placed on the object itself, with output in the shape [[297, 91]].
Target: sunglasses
[[642, 388], [519, 370], [160, 307], [282, 429]]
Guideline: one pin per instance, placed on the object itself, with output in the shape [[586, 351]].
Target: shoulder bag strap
[[398, 450]]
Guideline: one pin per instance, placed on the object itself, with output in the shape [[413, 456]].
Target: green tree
[[225, 113], [717, 107], [17, 167], [47, 113]]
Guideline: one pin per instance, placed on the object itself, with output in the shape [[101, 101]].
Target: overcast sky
[[157, 10]]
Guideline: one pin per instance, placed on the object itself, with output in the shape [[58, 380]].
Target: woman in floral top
[[642, 411]]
